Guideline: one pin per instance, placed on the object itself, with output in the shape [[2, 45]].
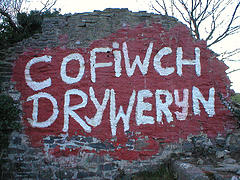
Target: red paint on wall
[[137, 39]]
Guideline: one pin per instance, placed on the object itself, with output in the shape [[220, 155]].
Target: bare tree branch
[[228, 54], [10, 8], [233, 71], [156, 10], [9, 20], [229, 29], [182, 15], [47, 5], [165, 8], [208, 15]]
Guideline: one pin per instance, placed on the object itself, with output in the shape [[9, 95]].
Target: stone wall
[[63, 156]]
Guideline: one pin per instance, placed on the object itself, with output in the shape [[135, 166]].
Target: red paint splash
[[137, 39]]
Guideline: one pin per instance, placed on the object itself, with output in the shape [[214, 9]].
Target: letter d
[[34, 119]]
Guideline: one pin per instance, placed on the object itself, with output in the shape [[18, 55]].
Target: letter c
[[36, 86]]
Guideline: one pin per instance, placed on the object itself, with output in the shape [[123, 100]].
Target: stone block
[[64, 174], [187, 171], [188, 147], [84, 174], [108, 167]]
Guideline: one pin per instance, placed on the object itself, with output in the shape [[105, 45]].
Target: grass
[[236, 98]]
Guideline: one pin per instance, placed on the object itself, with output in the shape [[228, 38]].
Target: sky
[[79, 6]]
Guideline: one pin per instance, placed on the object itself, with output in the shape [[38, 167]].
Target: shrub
[[27, 25], [235, 99], [30, 23], [9, 119]]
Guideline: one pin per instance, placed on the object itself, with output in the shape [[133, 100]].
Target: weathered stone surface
[[228, 168], [238, 172], [221, 141], [187, 171], [108, 167], [229, 161], [200, 161], [64, 174], [218, 177], [98, 146], [233, 141], [188, 147], [83, 174], [46, 174], [220, 154]]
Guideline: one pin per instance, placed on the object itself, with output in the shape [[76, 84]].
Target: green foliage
[[30, 23], [9, 119], [236, 106], [7, 35], [27, 24], [236, 98], [49, 13]]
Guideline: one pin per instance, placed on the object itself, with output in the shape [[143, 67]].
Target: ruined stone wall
[[101, 148]]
